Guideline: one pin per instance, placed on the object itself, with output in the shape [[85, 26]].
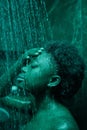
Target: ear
[[54, 81]]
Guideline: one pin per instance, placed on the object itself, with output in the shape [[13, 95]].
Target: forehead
[[46, 61], [44, 57]]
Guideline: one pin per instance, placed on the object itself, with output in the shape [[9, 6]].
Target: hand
[[20, 102], [26, 58], [31, 53]]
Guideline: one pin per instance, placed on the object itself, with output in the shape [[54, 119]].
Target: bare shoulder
[[63, 120], [64, 123], [56, 118]]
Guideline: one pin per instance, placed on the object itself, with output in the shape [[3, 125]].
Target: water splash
[[24, 24], [77, 25]]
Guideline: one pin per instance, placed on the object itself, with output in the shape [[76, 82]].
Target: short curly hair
[[70, 67]]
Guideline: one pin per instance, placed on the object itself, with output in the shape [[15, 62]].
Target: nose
[[24, 69]]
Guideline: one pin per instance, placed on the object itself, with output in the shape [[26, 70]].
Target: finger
[[35, 51], [28, 57], [40, 50], [32, 53]]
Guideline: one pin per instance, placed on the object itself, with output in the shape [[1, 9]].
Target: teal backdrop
[[29, 23]]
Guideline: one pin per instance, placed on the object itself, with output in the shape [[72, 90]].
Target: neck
[[46, 103], [43, 100]]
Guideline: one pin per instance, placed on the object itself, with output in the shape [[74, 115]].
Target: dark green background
[[68, 20]]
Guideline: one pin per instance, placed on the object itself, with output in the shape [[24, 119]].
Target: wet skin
[[50, 115], [36, 75], [33, 78]]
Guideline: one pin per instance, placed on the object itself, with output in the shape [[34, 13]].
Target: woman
[[54, 73]]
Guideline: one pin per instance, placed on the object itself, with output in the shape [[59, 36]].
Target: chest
[[42, 121], [45, 120]]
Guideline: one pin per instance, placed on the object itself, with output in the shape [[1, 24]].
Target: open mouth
[[20, 77], [19, 97], [20, 81], [19, 86]]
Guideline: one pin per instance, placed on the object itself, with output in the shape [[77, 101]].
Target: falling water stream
[[24, 24]]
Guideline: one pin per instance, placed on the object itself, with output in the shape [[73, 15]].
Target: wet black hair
[[70, 67]]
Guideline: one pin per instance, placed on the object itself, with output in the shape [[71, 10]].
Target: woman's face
[[36, 75]]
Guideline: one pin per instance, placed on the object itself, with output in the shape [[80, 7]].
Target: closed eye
[[34, 64], [29, 61]]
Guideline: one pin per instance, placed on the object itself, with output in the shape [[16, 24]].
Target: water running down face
[[36, 75]]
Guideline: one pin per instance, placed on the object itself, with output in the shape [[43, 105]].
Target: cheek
[[33, 78], [36, 78]]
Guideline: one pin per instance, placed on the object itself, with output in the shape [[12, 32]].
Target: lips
[[20, 81], [20, 77], [19, 89]]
